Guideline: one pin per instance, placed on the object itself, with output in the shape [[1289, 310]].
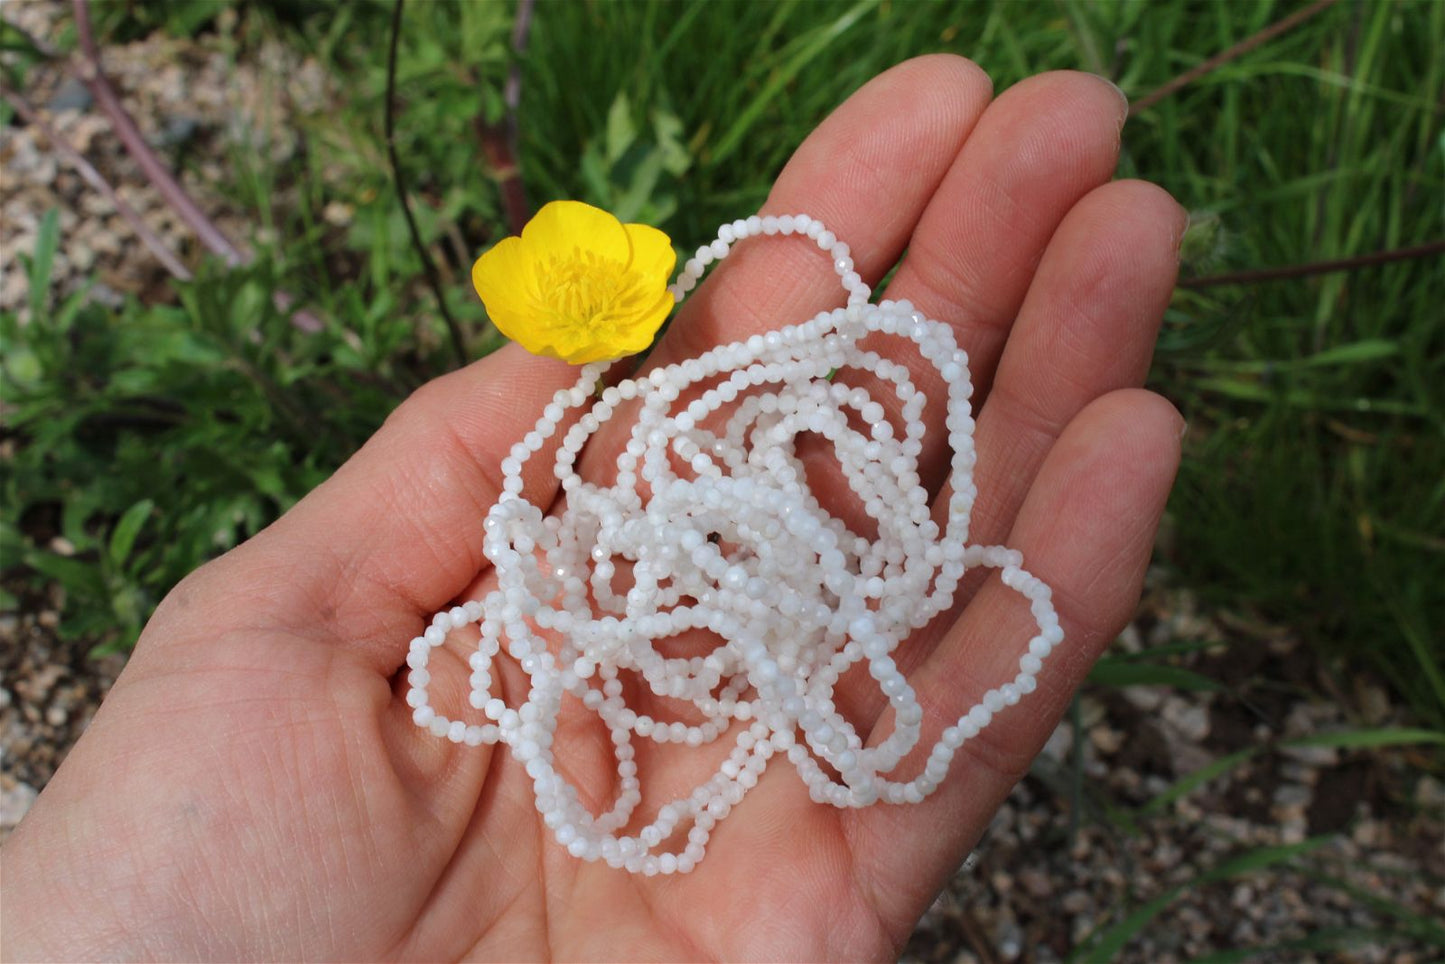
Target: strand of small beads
[[735, 544]]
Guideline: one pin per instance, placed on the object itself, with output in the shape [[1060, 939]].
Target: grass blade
[[783, 76], [1417, 925], [1190, 782], [1369, 739], [122, 538], [1107, 945], [47, 240], [1119, 673], [1339, 739]]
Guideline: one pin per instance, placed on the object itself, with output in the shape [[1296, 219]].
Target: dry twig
[[95, 179], [90, 73], [501, 146], [93, 76], [1429, 249], [1228, 54]]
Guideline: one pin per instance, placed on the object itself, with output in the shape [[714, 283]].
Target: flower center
[[584, 288]]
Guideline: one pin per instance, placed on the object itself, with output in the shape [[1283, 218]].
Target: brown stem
[[41, 47], [514, 194], [149, 238], [433, 279], [94, 78], [499, 141], [1284, 272], [135, 142], [1225, 56], [507, 174]]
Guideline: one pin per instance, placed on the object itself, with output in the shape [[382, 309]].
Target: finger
[[1086, 529], [867, 173], [1040, 147], [396, 533], [1087, 328]]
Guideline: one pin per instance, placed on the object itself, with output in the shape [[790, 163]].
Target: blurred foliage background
[[1312, 495], [1314, 480]]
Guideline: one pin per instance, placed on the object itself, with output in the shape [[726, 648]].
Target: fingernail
[[1123, 100], [1183, 429]]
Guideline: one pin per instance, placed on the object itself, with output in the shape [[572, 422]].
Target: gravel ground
[[1046, 876], [1037, 890]]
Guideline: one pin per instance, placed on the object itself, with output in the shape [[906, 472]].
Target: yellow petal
[[564, 227], [505, 279], [652, 254], [638, 331], [505, 275], [578, 284]]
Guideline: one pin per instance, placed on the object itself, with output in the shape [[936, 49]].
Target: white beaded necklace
[[735, 544]]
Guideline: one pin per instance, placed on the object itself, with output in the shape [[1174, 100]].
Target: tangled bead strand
[[722, 534]]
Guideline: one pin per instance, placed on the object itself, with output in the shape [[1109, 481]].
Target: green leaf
[[1354, 353], [76, 575], [1249, 391], [1368, 350], [123, 536], [1190, 782], [76, 513], [781, 78], [12, 543], [47, 241], [1368, 739], [249, 303], [671, 143], [1119, 673], [620, 131], [22, 366], [644, 180]]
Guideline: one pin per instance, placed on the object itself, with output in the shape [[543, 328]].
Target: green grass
[[1312, 488]]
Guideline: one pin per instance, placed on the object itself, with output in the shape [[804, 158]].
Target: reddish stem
[[125, 127], [1285, 272], [500, 141], [94, 78], [1225, 56], [149, 238]]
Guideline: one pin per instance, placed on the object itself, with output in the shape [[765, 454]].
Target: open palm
[[254, 786]]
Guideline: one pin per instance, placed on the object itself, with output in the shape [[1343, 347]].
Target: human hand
[[254, 786]]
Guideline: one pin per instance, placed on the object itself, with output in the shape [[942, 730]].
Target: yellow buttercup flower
[[579, 284]]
